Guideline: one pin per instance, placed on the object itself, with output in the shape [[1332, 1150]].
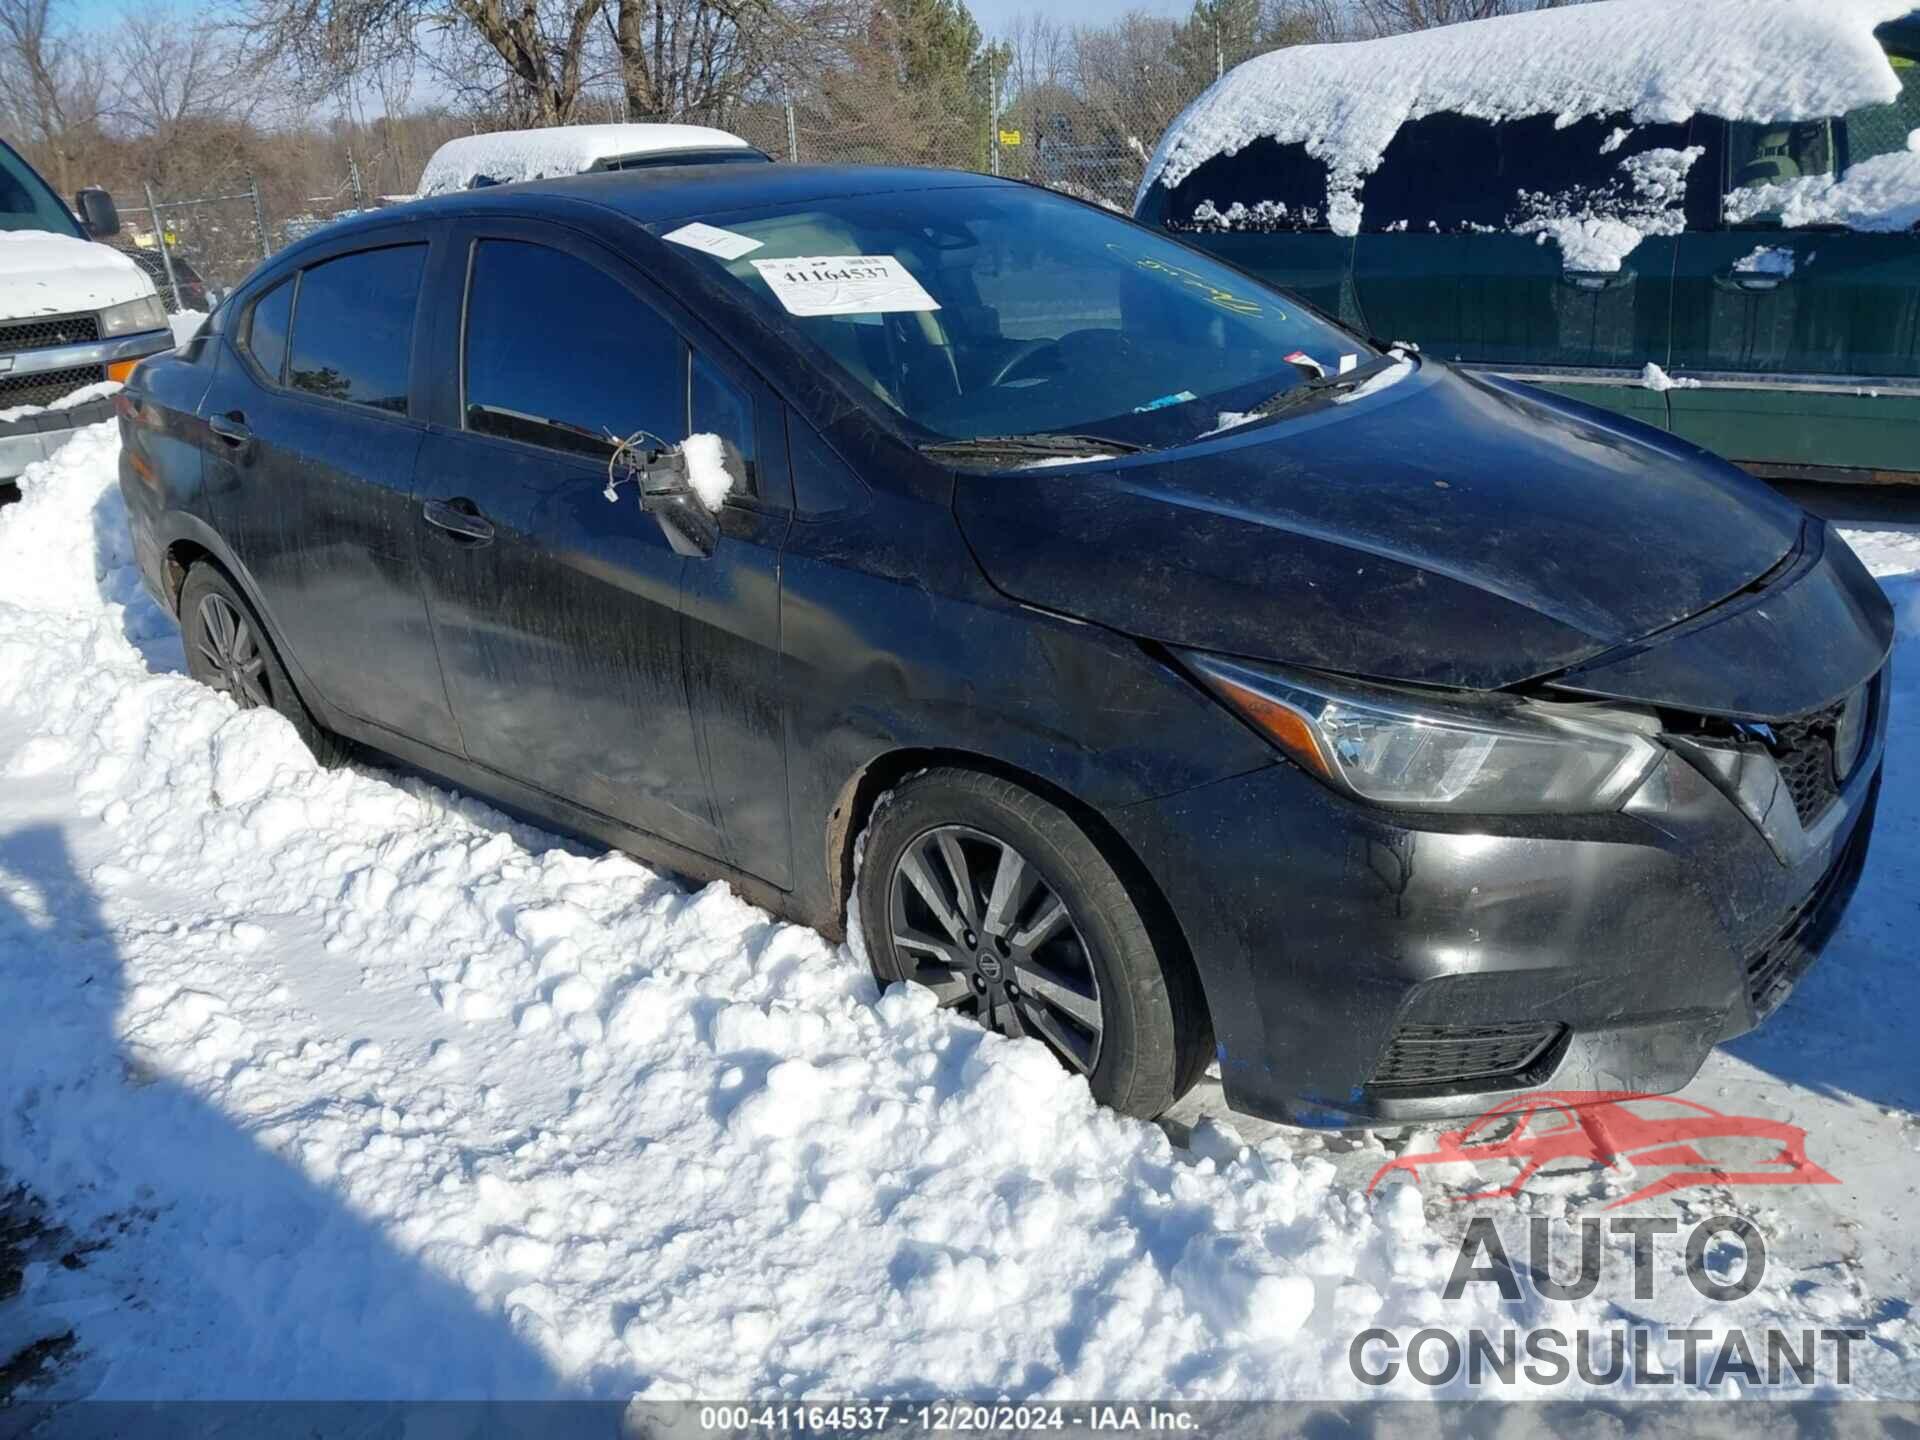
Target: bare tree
[[50, 86]]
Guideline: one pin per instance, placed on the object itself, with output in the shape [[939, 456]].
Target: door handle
[[1595, 281], [1748, 282], [230, 431], [461, 518]]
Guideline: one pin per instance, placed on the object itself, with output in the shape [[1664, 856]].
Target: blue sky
[[994, 15]]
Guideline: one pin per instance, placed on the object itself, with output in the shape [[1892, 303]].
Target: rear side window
[[1883, 129], [353, 327], [266, 333], [560, 354], [1453, 174], [1265, 186]]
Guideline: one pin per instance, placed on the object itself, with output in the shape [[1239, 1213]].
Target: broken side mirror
[[98, 213], [667, 495]]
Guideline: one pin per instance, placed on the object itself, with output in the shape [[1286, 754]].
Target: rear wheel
[[228, 650], [997, 902]]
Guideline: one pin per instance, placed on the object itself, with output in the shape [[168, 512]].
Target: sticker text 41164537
[[844, 285]]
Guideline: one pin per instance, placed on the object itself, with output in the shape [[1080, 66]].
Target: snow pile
[[1658, 60], [1881, 194], [511, 155], [707, 470], [46, 274], [1654, 378], [186, 324], [366, 1091]]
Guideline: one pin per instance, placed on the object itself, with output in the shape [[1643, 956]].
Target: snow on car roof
[[511, 155], [1661, 60]]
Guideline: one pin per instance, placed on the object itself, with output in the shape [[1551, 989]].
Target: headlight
[[143, 314], [1850, 735], [1414, 752]]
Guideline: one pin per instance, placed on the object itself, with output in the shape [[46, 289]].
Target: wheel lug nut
[[972, 939]]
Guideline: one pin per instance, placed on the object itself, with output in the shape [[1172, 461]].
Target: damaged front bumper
[[1364, 966]]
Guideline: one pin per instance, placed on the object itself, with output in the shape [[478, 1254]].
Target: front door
[[556, 609], [1797, 316], [309, 473]]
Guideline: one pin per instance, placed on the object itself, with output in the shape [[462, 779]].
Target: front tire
[[997, 901], [228, 650]]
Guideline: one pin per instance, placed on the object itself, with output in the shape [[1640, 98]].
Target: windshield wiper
[[1316, 386], [1038, 446]]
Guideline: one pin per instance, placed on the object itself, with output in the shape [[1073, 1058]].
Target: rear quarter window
[[264, 336], [1266, 186]]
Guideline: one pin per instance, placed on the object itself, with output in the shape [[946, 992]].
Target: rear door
[[1797, 323], [313, 431], [1535, 249], [560, 614]]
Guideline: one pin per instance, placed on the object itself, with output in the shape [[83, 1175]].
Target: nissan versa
[[1148, 666]]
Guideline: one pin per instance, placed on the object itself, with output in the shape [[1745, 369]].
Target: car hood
[[1449, 530], [46, 274]]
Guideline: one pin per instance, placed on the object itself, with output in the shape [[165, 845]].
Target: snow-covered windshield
[[990, 311], [27, 202]]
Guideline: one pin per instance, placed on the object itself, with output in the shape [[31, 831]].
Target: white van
[[507, 156], [73, 315]]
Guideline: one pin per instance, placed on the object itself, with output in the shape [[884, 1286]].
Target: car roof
[[652, 194]]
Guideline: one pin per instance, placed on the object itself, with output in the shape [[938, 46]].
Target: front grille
[[47, 386], [49, 332], [1776, 967], [1803, 749], [1430, 1056]]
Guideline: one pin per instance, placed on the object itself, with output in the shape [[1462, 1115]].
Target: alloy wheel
[[230, 648], [974, 921]]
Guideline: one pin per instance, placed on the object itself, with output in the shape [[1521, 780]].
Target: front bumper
[[36, 436], [1340, 944]]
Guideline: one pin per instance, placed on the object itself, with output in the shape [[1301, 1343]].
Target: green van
[[1751, 285]]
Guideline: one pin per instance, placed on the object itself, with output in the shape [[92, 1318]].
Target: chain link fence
[[1090, 138]]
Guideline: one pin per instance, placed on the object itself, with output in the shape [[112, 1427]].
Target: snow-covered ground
[[340, 1085]]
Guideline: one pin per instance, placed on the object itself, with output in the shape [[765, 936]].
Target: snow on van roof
[[1660, 60], [510, 155]]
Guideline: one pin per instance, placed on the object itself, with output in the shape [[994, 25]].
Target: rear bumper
[[1363, 967]]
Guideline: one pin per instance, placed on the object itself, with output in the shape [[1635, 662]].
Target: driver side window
[[559, 354]]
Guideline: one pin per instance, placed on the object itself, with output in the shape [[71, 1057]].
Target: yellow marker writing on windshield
[[1226, 299]]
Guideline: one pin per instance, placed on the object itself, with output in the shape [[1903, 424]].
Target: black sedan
[[1126, 653]]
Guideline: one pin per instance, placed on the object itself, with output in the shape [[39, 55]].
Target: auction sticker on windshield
[[844, 285], [712, 240]]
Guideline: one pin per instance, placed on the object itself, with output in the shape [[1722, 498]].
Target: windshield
[[27, 202], [993, 311]]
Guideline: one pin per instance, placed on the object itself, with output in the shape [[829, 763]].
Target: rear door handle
[[1595, 281], [1752, 282], [461, 518], [231, 432]]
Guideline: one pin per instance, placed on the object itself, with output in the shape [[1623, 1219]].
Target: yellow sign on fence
[[1009, 137]]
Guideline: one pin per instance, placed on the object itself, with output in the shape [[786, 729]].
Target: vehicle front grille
[[1435, 1056], [1803, 749], [1776, 967], [49, 332], [47, 386]]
